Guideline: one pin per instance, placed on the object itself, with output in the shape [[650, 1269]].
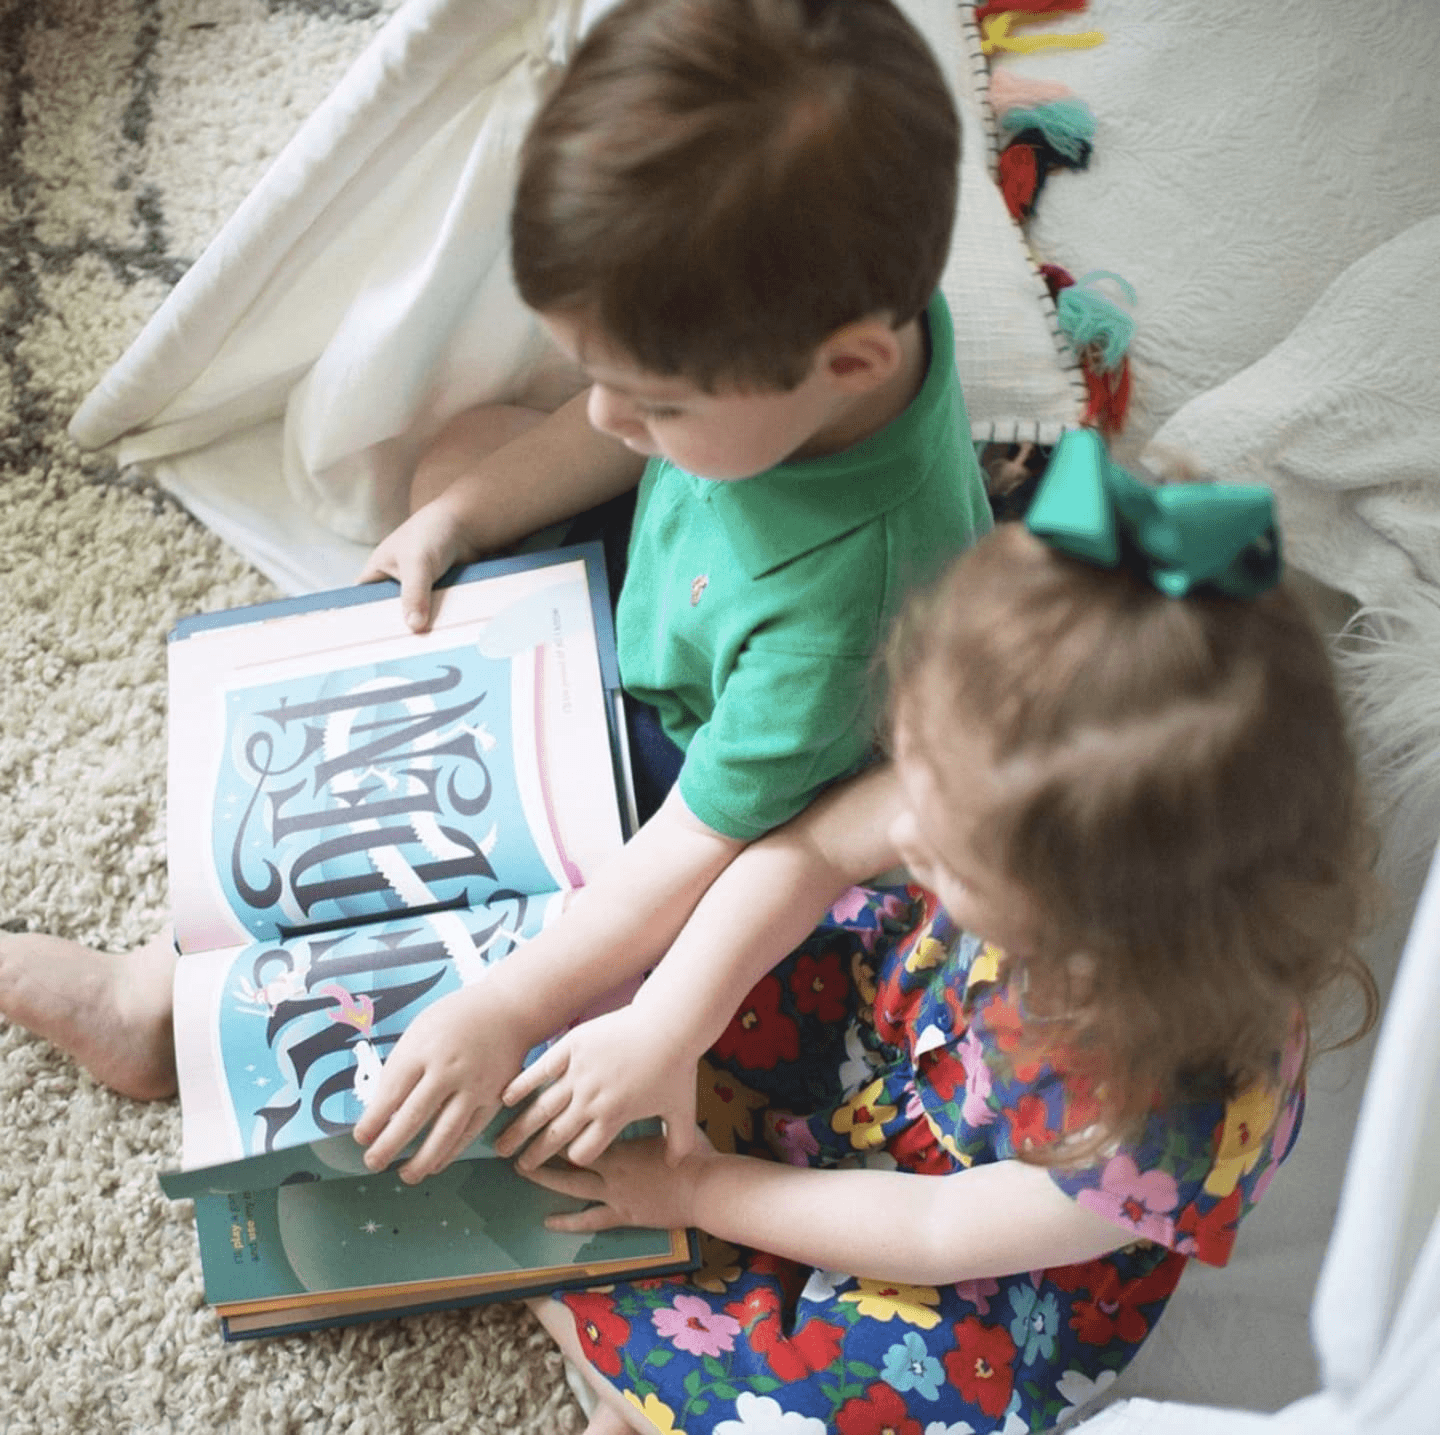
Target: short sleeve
[[1198, 1167], [785, 725], [1193, 1171]]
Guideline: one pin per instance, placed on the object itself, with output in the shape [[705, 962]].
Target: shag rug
[[129, 130]]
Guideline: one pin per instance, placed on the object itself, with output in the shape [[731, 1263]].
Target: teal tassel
[[1068, 125], [1091, 321]]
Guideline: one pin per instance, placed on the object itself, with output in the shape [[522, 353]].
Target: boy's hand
[[446, 1072], [418, 554], [632, 1184], [599, 1077]]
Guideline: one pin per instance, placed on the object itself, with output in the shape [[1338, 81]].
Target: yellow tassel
[[995, 35]]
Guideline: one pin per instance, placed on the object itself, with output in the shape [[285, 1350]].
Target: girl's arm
[[986, 1221], [447, 1071], [640, 1061]]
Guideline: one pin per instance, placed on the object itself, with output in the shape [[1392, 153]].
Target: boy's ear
[[862, 355]]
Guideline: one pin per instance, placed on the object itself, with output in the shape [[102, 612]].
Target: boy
[[733, 214]]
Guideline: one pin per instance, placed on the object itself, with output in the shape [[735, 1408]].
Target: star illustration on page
[[370, 1227]]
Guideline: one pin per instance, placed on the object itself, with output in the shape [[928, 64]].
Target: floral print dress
[[890, 1039]]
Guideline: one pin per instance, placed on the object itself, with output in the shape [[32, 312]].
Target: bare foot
[[111, 1013]]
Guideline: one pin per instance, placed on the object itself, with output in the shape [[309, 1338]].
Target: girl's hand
[[602, 1075], [632, 1184], [446, 1073]]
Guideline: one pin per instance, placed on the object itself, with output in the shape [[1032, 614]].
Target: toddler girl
[[1012, 1106]]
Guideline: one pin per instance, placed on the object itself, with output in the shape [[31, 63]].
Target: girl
[[1012, 1106]]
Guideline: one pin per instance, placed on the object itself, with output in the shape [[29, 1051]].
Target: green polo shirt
[[752, 609]]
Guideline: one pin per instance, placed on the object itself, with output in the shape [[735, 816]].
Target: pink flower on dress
[[690, 1324], [849, 904], [1139, 1200], [793, 1140], [976, 1109], [978, 1293]]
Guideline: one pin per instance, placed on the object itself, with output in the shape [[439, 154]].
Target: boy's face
[[728, 435]]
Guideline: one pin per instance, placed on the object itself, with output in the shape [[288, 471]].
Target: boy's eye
[[661, 412]]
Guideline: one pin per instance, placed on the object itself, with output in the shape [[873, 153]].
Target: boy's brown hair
[[1177, 791], [720, 185]]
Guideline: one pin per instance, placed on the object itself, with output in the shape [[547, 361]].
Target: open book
[[361, 819]]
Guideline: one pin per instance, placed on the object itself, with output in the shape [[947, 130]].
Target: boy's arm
[[447, 1070], [557, 469], [982, 1222], [640, 1061]]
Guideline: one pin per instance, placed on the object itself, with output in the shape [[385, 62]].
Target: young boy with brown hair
[[733, 214]]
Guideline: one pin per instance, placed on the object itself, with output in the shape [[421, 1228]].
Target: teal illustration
[[385, 787], [474, 1218], [304, 1025]]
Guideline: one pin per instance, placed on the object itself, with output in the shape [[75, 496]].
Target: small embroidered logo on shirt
[[697, 587]]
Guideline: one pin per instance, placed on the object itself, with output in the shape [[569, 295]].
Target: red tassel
[[1109, 396], [1036, 8], [1056, 279], [1019, 179]]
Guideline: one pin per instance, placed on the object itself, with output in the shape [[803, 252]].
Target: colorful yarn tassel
[[1009, 91], [995, 34], [1033, 7], [1067, 125], [1019, 175], [1094, 323], [1100, 332]]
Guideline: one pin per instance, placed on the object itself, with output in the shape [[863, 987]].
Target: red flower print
[[760, 1034], [814, 1346], [916, 1149], [1211, 1236], [880, 1411], [820, 985], [981, 1367], [1115, 1309], [1007, 1026], [1028, 1124], [944, 1072], [1087, 1276], [601, 1328]]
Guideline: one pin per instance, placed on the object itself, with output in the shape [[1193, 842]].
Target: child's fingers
[[591, 1144], [415, 597], [408, 1119], [679, 1137], [449, 1134], [375, 1129], [592, 1218], [546, 1067], [373, 571], [541, 1112], [559, 1131]]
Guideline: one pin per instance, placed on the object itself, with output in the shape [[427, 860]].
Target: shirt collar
[[796, 507]]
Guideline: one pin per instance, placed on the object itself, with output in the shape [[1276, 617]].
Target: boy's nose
[[614, 414]]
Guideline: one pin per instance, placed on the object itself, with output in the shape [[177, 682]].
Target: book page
[[278, 1045], [328, 766]]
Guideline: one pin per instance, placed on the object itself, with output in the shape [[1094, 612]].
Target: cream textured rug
[[129, 129]]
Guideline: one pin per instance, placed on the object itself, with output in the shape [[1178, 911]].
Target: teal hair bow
[[1185, 536]]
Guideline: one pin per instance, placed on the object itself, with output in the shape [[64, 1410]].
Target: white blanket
[[1342, 419]]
